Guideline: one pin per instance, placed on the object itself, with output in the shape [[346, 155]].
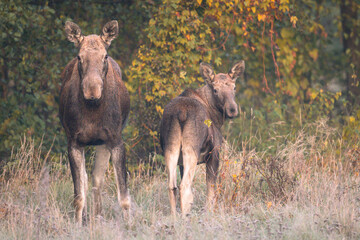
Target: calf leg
[[212, 166], [101, 164], [118, 157], [190, 158], [171, 159], [79, 176]]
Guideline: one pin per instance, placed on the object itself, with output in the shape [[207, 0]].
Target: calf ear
[[207, 72], [110, 32], [73, 33], [237, 70]]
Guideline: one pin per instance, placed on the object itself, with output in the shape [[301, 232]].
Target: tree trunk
[[351, 46]]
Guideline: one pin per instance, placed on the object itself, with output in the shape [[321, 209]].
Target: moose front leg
[[118, 157], [79, 176], [212, 166]]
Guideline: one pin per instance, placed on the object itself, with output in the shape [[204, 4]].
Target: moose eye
[[106, 57], [215, 91], [78, 57]]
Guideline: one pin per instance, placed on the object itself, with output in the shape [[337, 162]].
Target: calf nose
[[232, 112]]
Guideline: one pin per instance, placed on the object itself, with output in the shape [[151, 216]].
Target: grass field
[[307, 188]]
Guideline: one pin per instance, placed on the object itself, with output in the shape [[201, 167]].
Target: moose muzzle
[[231, 110], [92, 88]]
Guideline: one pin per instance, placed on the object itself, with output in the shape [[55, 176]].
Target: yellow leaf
[[351, 119], [199, 2], [314, 54], [159, 109], [293, 20], [313, 95], [153, 133], [182, 74], [208, 122], [49, 100], [269, 204], [149, 98], [162, 93], [338, 94], [261, 17]]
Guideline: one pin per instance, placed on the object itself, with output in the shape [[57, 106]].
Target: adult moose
[[188, 140], [94, 107]]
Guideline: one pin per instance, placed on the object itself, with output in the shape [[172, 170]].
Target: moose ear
[[237, 70], [110, 32], [207, 72], [73, 33]]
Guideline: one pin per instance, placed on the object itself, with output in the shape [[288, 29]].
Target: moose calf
[[190, 132]]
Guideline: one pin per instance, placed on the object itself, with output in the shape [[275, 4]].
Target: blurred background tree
[[302, 63]]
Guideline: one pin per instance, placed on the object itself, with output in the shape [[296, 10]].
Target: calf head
[[92, 59], [223, 87]]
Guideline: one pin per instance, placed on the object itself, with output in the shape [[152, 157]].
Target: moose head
[[92, 59], [223, 87]]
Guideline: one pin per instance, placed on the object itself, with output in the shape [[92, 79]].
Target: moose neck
[[216, 114]]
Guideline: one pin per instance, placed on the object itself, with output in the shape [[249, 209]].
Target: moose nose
[[92, 88], [232, 112]]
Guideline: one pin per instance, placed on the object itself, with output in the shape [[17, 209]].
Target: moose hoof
[[125, 203]]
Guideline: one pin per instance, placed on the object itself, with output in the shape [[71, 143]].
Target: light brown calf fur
[[94, 107], [187, 140]]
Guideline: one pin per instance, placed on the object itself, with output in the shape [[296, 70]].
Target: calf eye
[[215, 91], [106, 57], [78, 57]]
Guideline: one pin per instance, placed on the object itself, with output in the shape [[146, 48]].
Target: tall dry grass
[[307, 187]]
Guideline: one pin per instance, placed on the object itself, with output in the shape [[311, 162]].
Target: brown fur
[[187, 140], [94, 107]]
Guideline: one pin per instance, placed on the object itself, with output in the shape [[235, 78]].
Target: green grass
[[308, 189]]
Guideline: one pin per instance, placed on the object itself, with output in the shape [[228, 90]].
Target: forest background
[[302, 63]]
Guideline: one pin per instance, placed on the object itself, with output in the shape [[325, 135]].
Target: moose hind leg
[[101, 164], [78, 172], [118, 157], [171, 155], [190, 159], [212, 167]]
